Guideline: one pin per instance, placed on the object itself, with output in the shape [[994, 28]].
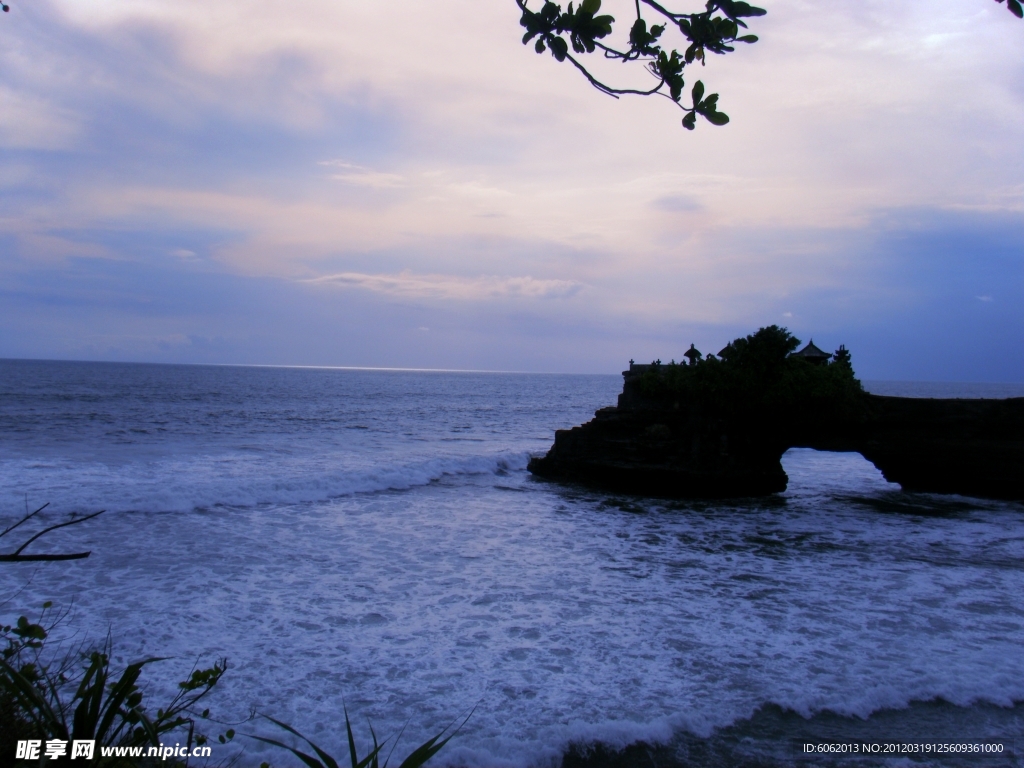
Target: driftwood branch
[[36, 558], [16, 556]]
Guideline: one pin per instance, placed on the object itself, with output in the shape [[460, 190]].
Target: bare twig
[[16, 556], [59, 525], [613, 92], [25, 519]]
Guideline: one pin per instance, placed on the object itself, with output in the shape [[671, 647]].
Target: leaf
[[309, 760], [591, 6], [717, 118], [559, 48], [745, 9], [330, 761], [424, 752], [428, 749], [21, 689], [690, 121], [90, 695], [638, 36], [747, 39], [1015, 8], [118, 693], [353, 755], [417, 758], [675, 87], [698, 92], [28, 630]]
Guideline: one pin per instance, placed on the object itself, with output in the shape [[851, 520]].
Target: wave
[[231, 480], [771, 736], [719, 734], [777, 737]]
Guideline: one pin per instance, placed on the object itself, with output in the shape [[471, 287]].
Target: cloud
[[363, 177], [451, 287], [253, 142], [677, 203], [30, 122]]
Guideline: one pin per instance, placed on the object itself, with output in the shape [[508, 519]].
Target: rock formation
[[969, 447], [718, 428]]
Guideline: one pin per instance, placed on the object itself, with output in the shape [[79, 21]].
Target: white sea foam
[[421, 573], [173, 485], [559, 616]]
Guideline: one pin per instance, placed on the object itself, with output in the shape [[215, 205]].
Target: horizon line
[[298, 365], [432, 370]]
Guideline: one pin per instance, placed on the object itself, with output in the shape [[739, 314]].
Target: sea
[[370, 542]]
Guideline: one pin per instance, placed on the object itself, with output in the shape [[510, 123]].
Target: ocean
[[371, 540]]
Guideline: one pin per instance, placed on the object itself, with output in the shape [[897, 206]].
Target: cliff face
[[663, 453], [658, 446], [969, 447]]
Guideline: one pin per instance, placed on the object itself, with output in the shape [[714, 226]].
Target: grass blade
[[121, 691], [309, 760], [351, 740], [428, 749], [329, 761], [23, 691]]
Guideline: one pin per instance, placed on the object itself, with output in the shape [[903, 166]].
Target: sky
[[405, 184]]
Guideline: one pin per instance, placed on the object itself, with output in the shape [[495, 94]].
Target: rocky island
[[717, 427]]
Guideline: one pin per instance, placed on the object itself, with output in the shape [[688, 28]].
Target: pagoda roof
[[811, 351]]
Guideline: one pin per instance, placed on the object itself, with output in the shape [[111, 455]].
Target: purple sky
[[405, 184]]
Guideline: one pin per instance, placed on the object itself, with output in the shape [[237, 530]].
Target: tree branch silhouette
[[16, 556], [716, 29]]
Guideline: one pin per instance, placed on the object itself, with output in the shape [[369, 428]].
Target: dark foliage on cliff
[[758, 381]]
